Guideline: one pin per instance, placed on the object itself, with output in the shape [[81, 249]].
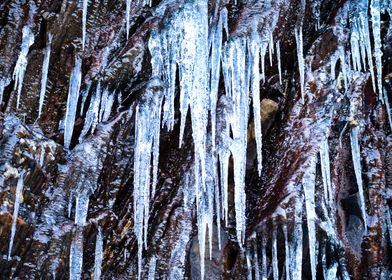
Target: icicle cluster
[[147, 130]]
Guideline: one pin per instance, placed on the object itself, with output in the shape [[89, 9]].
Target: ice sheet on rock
[[356, 156], [72, 101], [18, 199], [308, 184], [147, 128], [21, 63], [98, 255], [44, 76]]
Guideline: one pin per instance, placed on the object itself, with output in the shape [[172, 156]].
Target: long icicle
[[18, 194], [44, 78]]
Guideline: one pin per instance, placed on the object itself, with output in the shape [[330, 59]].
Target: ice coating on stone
[[98, 255], [84, 22], [308, 183], [44, 76], [148, 113], [375, 10], [326, 172], [72, 101], [356, 156], [18, 199], [21, 63]]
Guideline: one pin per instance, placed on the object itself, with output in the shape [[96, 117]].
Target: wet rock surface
[[230, 139]]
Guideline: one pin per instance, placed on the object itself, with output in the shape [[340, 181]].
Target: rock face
[[195, 139]]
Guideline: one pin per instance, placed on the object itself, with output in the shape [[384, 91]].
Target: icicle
[[326, 172], [296, 250], [216, 49], [84, 22], [82, 200], [18, 195], [256, 262], [127, 15], [151, 268], [98, 255], [3, 83], [355, 52], [76, 251], [271, 48], [249, 266], [342, 58], [356, 155], [103, 104], [301, 62], [264, 269], [108, 107], [365, 36], [76, 255], [387, 107], [375, 12], [44, 78], [21, 63], [287, 252], [72, 101], [308, 183], [275, 266], [255, 88], [91, 119], [279, 63]]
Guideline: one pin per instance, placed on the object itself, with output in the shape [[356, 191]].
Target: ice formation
[[72, 101], [44, 76], [98, 255], [21, 63], [18, 199]]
